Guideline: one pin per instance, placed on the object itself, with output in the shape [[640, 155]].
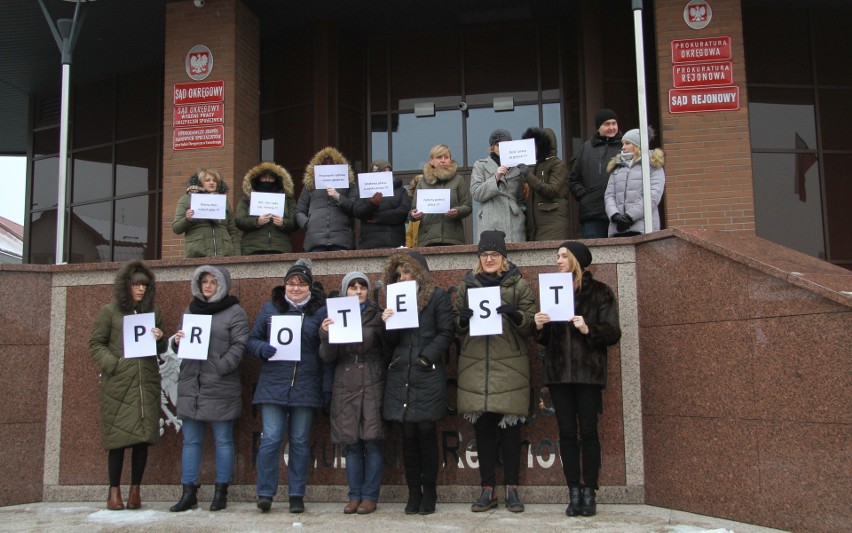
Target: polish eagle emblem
[[698, 13], [198, 63]]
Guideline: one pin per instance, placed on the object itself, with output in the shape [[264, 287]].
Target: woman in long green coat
[[205, 237], [130, 387]]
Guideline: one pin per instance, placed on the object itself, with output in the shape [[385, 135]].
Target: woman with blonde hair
[[441, 172], [206, 237]]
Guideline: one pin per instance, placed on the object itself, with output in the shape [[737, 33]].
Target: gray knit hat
[[498, 136], [352, 276], [633, 138]]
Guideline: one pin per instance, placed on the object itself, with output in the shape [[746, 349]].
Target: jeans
[[594, 229], [296, 422], [577, 407], [193, 437], [364, 469]]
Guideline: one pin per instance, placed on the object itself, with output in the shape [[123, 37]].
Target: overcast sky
[[13, 176]]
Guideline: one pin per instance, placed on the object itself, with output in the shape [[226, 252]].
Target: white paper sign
[[336, 176], [556, 294], [139, 341], [484, 302], [514, 153], [285, 334], [433, 200], [370, 183], [267, 203], [208, 206], [196, 341], [346, 313], [402, 298]]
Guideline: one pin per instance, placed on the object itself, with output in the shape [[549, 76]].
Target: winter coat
[[501, 203], [327, 222], [205, 237], [570, 356], [494, 370], [291, 383], [437, 228], [210, 390], [624, 191], [413, 228], [359, 381], [130, 388], [269, 237], [547, 195], [589, 175], [414, 393], [383, 226]]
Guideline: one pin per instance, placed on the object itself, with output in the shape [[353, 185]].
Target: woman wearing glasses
[[130, 388], [494, 370], [289, 391]]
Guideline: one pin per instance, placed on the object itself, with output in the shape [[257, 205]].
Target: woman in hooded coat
[[209, 391], [326, 214], [442, 229], [205, 237], [547, 190], [416, 388], [130, 388], [383, 218], [267, 233]]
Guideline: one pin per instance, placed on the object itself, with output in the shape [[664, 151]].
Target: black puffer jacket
[[327, 222], [383, 225], [414, 393], [589, 175], [570, 356]]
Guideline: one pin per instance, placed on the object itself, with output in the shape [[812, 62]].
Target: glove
[[326, 401], [267, 351], [513, 314], [376, 199], [464, 317], [425, 363], [627, 221]]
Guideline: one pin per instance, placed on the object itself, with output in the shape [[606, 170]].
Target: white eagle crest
[[169, 373], [698, 13], [198, 63]]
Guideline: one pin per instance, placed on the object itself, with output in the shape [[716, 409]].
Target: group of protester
[[525, 202], [392, 376]]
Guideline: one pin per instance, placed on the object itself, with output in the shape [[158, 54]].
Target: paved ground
[[328, 517]]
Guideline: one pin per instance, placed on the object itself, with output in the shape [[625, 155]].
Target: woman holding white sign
[[356, 399], [416, 389], [575, 370], [499, 191], [291, 386], [267, 232], [443, 228], [130, 387], [494, 370], [327, 202], [209, 391], [205, 236]]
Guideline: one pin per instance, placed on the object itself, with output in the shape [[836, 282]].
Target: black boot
[[189, 499], [430, 497], [220, 497], [411, 460], [588, 507], [429, 463], [487, 500], [415, 496], [573, 508], [297, 504]]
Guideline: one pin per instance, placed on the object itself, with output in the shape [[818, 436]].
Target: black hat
[[580, 251], [492, 241], [419, 258], [302, 268], [603, 115], [498, 136]]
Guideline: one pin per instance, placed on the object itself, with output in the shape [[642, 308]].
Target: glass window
[[46, 142], [425, 67], [134, 222], [139, 95], [294, 141], [776, 35], [380, 138], [378, 76], [781, 118], [42, 247], [45, 183], [552, 114], [91, 228], [482, 121], [787, 202], [415, 136], [835, 109], [287, 71], [838, 191], [92, 174], [94, 113], [832, 47], [500, 64], [136, 166]]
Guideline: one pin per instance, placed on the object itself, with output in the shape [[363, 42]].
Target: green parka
[[494, 370], [269, 237], [206, 237], [130, 388], [439, 229], [547, 190]]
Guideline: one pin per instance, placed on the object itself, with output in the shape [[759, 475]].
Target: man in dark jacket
[[589, 175]]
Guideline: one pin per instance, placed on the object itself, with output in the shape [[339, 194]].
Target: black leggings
[[137, 464], [578, 406], [485, 430], [420, 453]]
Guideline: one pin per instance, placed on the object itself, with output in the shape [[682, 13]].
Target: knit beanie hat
[[498, 136], [603, 115], [633, 138], [492, 241], [417, 256], [352, 276], [379, 165], [580, 251], [302, 268]]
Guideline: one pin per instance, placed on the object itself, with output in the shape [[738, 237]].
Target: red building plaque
[[703, 74], [703, 49], [704, 99]]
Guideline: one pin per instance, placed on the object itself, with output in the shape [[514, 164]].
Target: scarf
[[202, 307], [300, 307]]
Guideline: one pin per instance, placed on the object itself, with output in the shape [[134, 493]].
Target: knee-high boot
[[429, 453], [413, 474]]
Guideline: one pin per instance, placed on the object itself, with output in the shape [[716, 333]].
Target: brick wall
[[708, 155], [231, 32]]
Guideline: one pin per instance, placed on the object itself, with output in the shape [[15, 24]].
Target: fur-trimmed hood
[[223, 278], [412, 185], [421, 275], [282, 178], [193, 185], [432, 175], [658, 159], [121, 288], [317, 159], [544, 143]]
